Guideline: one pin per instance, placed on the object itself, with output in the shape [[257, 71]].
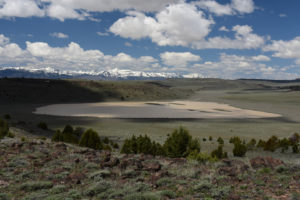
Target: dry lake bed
[[152, 109]]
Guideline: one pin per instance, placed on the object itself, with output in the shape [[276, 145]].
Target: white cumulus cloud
[[285, 49], [20, 8], [244, 38], [178, 24], [179, 59]]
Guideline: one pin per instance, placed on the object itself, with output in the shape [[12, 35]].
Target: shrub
[[141, 144], [295, 138], [38, 185], [42, 125], [295, 148], [220, 141], [284, 144], [107, 147], [210, 138], [218, 153], [180, 144], [91, 139], [204, 139], [4, 128], [239, 149], [234, 140], [7, 117], [106, 140], [201, 157], [115, 146], [68, 135], [271, 144], [251, 144], [57, 137], [10, 134], [260, 144], [78, 131]]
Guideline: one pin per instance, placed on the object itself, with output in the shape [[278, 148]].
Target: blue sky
[[206, 38]]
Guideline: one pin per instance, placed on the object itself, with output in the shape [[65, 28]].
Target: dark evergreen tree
[[91, 139]]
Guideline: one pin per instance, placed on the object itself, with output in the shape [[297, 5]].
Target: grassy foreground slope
[[39, 169]]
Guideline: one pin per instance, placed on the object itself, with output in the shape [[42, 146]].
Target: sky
[[207, 38]]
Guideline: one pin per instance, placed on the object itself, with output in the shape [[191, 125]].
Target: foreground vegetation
[[41, 169]]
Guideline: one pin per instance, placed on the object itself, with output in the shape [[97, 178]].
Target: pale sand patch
[[153, 109]]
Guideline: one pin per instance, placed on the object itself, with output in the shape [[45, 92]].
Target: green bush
[[107, 147], [218, 153], [68, 135], [106, 140], [295, 148], [42, 125], [239, 149], [260, 144], [201, 157], [141, 145], [251, 144], [115, 145], [180, 144], [91, 139], [4, 128], [272, 144], [234, 140], [210, 138], [38, 185], [7, 117], [58, 136], [220, 140], [284, 144]]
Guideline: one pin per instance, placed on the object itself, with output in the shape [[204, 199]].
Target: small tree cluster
[[234, 140], [239, 149], [141, 145], [91, 139], [68, 135], [220, 141], [274, 143], [42, 125], [219, 153], [180, 144], [4, 128]]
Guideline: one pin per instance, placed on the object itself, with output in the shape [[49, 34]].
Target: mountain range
[[114, 74]]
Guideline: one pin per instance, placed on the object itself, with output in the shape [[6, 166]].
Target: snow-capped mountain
[[114, 74]]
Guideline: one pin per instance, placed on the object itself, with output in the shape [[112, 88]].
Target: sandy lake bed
[[152, 109]]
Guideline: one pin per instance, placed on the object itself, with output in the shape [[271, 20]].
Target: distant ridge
[[114, 74]]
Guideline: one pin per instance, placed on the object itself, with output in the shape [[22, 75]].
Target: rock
[[259, 162], [112, 163], [77, 160], [273, 163], [153, 166], [178, 161], [58, 170], [232, 167], [131, 162], [130, 173], [158, 175], [61, 146], [76, 177]]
